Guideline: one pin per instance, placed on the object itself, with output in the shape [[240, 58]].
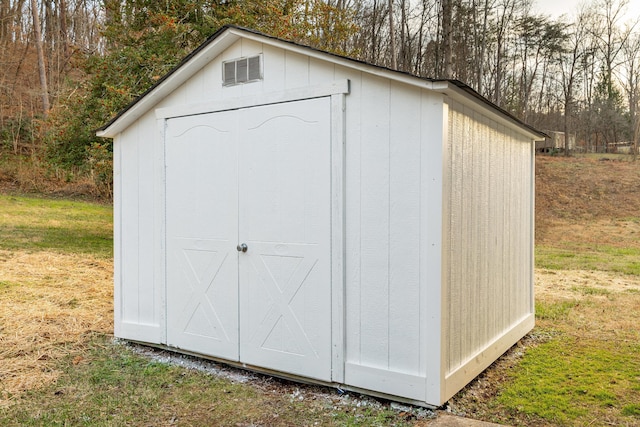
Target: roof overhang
[[227, 36]]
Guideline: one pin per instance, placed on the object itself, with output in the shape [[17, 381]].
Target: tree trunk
[[392, 39], [567, 140], [63, 32], [447, 16], [41, 65], [4, 21]]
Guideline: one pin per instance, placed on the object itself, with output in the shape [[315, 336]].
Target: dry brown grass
[[607, 304], [49, 304], [575, 189]]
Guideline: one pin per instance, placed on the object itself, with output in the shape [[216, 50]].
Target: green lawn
[[588, 257], [115, 387], [28, 224]]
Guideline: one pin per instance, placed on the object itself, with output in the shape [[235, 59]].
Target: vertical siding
[[140, 215], [489, 232], [404, 229], [129, 237], [146, 195], [374, 224], [391, 172]]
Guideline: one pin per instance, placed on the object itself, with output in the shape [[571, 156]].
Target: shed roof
[[227, 35]]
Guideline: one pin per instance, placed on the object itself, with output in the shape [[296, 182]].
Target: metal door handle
[[242, 248]]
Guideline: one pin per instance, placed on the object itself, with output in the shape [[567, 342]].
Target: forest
[[67, 66]]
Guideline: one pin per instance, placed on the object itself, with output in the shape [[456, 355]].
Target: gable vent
[[243, 70]]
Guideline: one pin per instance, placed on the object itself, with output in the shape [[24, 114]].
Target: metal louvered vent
[[243, 70]]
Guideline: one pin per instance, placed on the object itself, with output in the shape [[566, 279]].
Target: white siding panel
[[485, 203], [489, 248], [404, 230], [320, 72], [118, 261], [454, 257], [374, 224], [296, 73], [432, 285], [139, 294], [250, 48], [193, 88], [146, 221], [393, 237], [211, 81], [274, 65], [129, 160]]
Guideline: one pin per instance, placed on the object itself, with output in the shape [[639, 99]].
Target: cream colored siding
[[488, 233]]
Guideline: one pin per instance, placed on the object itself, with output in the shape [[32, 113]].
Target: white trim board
[[328, 89]]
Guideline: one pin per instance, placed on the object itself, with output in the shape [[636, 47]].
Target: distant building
[[555, 142], [620, 147]]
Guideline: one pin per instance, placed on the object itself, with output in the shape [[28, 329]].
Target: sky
[[556, 8]]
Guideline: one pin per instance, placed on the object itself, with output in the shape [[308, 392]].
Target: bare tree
[[608, 33], [506, 11], [447, 37], [631, 54], [42, 70], [392, 38], [64, 36], [605, 30], [481, 10], [570, 62]]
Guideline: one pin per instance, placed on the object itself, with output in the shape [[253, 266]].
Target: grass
[[36, 224], [606, 156], [572, 381], [580, 366], [587, 257], [112, 386], [554, 311], [59, 365], [586, 371]]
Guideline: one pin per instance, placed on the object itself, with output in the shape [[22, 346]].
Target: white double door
[[258, 177]]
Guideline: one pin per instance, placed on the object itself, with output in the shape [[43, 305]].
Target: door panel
[[202, 224], [285, 286], [259, 176]]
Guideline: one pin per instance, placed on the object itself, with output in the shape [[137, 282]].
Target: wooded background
[[67, 66]]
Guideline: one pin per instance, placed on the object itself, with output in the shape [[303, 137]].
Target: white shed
[[319, 218]]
